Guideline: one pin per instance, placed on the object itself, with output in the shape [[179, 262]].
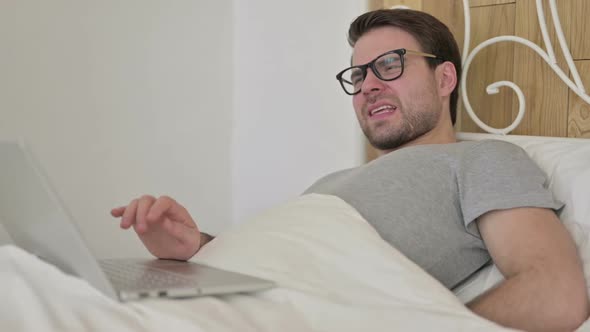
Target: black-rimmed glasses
[[387, 67]]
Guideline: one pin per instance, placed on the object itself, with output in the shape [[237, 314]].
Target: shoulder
[[499, 162], [326, 181], [501, 165], [493, 146], [493, 152]]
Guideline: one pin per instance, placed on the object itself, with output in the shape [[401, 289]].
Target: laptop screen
[[33, 216]]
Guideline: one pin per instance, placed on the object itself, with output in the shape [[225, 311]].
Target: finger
[[167, 206], [143, 206], [118, 211], [160, 208], [129, 215]]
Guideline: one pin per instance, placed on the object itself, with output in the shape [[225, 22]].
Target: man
[[449, 206]]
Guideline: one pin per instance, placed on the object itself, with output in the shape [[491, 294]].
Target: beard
[[417, 119]]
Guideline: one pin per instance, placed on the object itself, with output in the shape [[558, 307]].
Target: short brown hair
[[433, 36]]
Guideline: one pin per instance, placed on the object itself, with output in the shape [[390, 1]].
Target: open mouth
[[382, 110]]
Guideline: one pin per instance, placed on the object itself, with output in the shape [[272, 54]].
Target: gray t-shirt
[[424, 199]]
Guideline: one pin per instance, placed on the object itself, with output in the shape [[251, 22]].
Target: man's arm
[[544, 288]]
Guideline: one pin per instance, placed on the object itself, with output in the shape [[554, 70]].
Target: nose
[[371, 83]]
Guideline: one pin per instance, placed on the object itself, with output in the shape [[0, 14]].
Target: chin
[[392, 141], [386, 145]]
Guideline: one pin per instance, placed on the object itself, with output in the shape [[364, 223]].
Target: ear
[[446, 77]]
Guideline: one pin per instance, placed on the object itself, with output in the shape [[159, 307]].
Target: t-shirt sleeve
[[497, 175]]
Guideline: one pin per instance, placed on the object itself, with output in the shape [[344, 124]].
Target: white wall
[[119, 98], [228, 106], [292, 122]]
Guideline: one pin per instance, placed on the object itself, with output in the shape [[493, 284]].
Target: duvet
[[333, 273]]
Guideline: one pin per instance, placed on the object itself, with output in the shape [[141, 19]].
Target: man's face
[[394, 113]]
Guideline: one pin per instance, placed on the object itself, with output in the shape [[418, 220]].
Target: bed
[[324, 282], [305, 245]]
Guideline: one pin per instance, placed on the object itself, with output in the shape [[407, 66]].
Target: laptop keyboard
[[128, 275]]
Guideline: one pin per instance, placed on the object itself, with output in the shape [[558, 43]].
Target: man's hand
[[164, 226], [544, 288]]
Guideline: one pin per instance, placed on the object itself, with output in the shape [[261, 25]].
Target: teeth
[[381, 109]]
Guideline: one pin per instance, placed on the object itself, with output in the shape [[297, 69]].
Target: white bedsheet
[[334, 273]]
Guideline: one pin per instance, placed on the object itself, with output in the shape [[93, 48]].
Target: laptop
[[33, 216]]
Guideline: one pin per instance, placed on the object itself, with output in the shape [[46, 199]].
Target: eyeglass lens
[[386, 67]]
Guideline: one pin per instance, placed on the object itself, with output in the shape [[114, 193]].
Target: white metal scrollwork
[[549, 56]]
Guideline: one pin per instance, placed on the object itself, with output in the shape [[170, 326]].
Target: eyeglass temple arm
[[428, 55]]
